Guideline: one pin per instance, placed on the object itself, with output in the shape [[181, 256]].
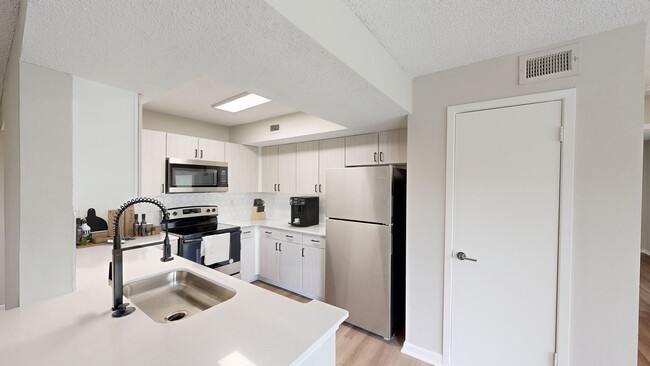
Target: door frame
[[565, 233]]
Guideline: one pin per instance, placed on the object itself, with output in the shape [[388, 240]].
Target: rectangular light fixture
[[240, 102]]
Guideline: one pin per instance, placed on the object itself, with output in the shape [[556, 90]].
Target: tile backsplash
[[232, 206]]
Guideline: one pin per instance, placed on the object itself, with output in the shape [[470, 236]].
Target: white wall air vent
[[274, 128], [550, 64]]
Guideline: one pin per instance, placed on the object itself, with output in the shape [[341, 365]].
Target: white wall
[[10, 115], [47, 233], [105, 146], [152, 120], [607, 197], [293, 127]]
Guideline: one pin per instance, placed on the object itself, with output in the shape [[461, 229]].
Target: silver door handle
[[463, 257]]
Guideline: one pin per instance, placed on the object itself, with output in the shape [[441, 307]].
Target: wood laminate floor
[[355, 346], [644, 312]]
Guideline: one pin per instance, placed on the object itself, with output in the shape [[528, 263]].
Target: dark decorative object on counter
[[115, 274]]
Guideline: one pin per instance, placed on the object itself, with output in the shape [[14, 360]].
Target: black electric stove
[[191, 224]]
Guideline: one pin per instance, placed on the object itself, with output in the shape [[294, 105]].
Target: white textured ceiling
[[8, 15], [195, 99], [426, 36], [154, 46]]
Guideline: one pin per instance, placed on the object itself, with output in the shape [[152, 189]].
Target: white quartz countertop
[[280, 224], [255, 327]]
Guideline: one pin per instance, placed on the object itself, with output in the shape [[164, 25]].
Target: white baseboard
[[422, 354], [646, 252]]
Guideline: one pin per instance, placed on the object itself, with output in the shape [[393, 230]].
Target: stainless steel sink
[[175, 295]]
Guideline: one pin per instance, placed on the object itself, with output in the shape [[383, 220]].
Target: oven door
[[185, 176]]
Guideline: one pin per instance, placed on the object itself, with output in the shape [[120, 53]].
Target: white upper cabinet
[[331, 154], [182, 147], [211, 150], [392, 147], [242, 168], [387, 147], [307, 167], [189, 147], [152, 167], [279, 168], [270, 169], [361, 150]]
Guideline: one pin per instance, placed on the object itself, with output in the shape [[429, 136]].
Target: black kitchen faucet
[[115, 271]]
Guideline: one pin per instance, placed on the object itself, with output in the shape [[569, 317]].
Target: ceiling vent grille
[[549, 64], [274, 128]]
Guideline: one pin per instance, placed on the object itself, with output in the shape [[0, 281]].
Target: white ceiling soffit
[[426, 36], [8, 16], [195, 99], [153, 47]]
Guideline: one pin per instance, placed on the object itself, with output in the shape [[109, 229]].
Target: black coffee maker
[[304, 211]]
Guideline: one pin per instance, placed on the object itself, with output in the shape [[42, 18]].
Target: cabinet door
[[269, 259], [307, 167], [181, 146], [152, 163], [313, 272], [211, 150], [287, 168], [290, 265], [247, 270], [331, 154], [361, 150], [248, 162], [270, 169], [392, 147]]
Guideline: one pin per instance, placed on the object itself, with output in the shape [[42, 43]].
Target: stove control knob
[[213, 210], [174, 213]]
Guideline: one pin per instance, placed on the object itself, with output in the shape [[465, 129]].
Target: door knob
[[463, 257]]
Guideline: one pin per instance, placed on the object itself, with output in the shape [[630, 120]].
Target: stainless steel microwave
[[187, 176]]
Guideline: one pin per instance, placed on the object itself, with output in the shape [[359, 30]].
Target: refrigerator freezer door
[[360, 194], [358, 272]]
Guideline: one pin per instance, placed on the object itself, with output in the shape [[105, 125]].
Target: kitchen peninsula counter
[[255, 327]]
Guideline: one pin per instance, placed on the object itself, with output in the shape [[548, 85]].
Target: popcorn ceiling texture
[[8, 16], [425, 36], [154, 46]]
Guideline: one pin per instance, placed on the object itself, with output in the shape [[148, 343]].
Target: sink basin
[[175, 295]]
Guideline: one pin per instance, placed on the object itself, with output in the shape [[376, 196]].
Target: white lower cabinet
[[248, 254], [313, 272], [290, 265], [269, 259], [293, 261]]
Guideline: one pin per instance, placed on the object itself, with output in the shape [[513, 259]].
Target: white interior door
[[505, 212]]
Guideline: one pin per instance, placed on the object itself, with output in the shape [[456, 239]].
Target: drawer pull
[[315, 241], [289, 236], [268, 232], [246, 232]]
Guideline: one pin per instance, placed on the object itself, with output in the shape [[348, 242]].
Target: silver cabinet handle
[[315, 188], [289, 236], [280, 246], [381, 156], [162, 190], [246, 232], [196, 153], [463, 257], [276, 245], [375, 158], [201, 153], [315, 241], [278, 187], [319, 189], [303, 252], [268, 232], [275, 187]]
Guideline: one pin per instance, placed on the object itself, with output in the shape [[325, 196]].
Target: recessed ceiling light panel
[[240, 102]]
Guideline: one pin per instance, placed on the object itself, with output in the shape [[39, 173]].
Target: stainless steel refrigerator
[[365, 251]]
